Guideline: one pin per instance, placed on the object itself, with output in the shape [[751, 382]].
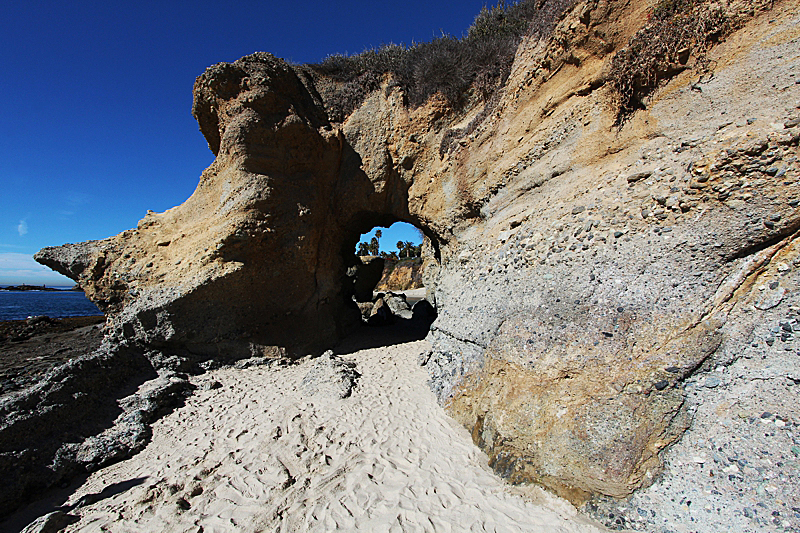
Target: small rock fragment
[[770, 298], [633, 178]]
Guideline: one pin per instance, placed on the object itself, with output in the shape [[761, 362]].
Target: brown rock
[[639, 176], [401, 275], [381, 314], [577, 424]]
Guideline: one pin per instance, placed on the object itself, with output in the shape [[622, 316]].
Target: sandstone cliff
[[401, 275], [587, 275]]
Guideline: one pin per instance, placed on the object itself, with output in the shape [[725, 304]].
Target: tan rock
[[401, 276]]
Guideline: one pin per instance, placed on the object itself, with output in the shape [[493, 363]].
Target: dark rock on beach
[[72, 403], [30, 348]]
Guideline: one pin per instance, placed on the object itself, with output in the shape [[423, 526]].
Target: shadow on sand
[[54, 517], [399, 331]]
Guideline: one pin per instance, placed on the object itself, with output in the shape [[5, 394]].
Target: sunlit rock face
[[254, 262], [583, 272]]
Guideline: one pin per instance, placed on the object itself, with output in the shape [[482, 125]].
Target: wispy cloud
[[73, 202], [75, 199], [22, 227], [18, 268]]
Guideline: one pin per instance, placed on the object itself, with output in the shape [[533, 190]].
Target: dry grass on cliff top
[[675, 31], [480, 60]]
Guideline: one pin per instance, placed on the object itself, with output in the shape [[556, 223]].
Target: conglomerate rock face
[[583, 272]]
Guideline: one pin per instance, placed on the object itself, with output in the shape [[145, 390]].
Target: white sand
[[263, 453], [414, 295]]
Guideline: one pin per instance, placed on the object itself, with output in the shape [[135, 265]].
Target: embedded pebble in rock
[[638, 176]]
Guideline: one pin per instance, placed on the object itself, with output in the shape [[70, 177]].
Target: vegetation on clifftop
[[675, 30], [480, 60]]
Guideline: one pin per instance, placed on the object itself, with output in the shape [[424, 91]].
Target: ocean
[[19, 305]]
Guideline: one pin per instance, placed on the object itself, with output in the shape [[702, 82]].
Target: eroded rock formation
[[401, 275], [255, 261], [582, 271]]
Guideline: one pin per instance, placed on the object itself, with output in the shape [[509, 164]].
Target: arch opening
[[385, 260]]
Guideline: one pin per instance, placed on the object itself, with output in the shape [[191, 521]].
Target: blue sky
[[96, 110], [399, 231]]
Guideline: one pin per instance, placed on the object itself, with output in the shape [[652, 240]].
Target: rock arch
[[577, 295], [253, 262]]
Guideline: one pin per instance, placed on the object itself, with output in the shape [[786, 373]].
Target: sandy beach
[[349, 442]]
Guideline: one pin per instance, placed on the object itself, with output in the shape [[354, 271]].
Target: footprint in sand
[[258, 455]]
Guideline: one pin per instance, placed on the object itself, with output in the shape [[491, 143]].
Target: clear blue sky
[[95, 119]]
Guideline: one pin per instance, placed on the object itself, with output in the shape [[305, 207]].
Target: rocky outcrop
[[401, 275], [595, 311], [366, 275], [255, 261], [92, 411], [331, 377], [584, 272]]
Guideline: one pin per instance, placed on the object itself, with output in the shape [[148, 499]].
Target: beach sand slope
[[354, 442]]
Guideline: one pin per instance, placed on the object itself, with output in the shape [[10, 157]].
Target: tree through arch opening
[[399, 241]]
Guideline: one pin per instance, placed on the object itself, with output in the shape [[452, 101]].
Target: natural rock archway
[[254, 263], [583, 272]]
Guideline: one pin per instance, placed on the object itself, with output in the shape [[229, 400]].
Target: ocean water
[[19, 305]]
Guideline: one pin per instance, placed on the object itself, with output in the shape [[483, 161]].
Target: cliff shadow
[[54, 501], [366, 337], [91, 412]]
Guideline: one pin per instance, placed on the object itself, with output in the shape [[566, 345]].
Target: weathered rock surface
[[573, 315], [380, 314], [93, 410], [401, 275], [331, 377], [255, 261], [583, 273], [50, 523], [398, 304]]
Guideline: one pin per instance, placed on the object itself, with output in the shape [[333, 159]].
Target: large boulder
[[398, 304], [380, 314]]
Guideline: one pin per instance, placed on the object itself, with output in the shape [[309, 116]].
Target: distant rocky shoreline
[[24, 287], [31, 348]]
